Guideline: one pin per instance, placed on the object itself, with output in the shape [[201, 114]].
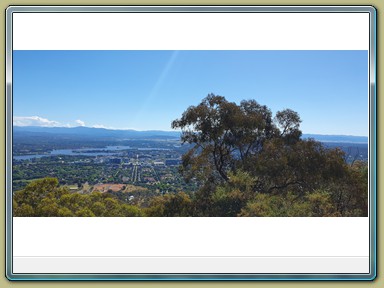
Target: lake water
[[79, 152]]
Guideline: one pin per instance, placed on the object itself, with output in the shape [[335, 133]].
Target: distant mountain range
[[87, 132], [337, 138], [94, 132]]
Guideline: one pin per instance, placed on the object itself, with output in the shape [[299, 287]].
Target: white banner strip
[[191, 237], [190, 31]]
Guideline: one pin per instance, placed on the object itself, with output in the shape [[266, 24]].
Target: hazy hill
[[337, 138], [86, 132]]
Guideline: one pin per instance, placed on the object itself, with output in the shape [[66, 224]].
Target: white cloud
[[34, 121], [43, 122], [98, 126], [81, 123]]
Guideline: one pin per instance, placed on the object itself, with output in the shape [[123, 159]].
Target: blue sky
[[146, 90]]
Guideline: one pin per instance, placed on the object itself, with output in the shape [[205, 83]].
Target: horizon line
[[160, 130]]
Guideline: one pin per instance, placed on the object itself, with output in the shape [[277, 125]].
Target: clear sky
[[147, 90]]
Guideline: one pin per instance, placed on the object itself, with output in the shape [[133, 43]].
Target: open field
[[103, 188]]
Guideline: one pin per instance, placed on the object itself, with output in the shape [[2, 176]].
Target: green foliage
[[251, 164], [229, 198], [43, 198], [99, 209], [170, 205], [84, 212], [64, 212], [217, 128], [131, 211], [36, 191], [24, 210], [226, 136], [315, 204]]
